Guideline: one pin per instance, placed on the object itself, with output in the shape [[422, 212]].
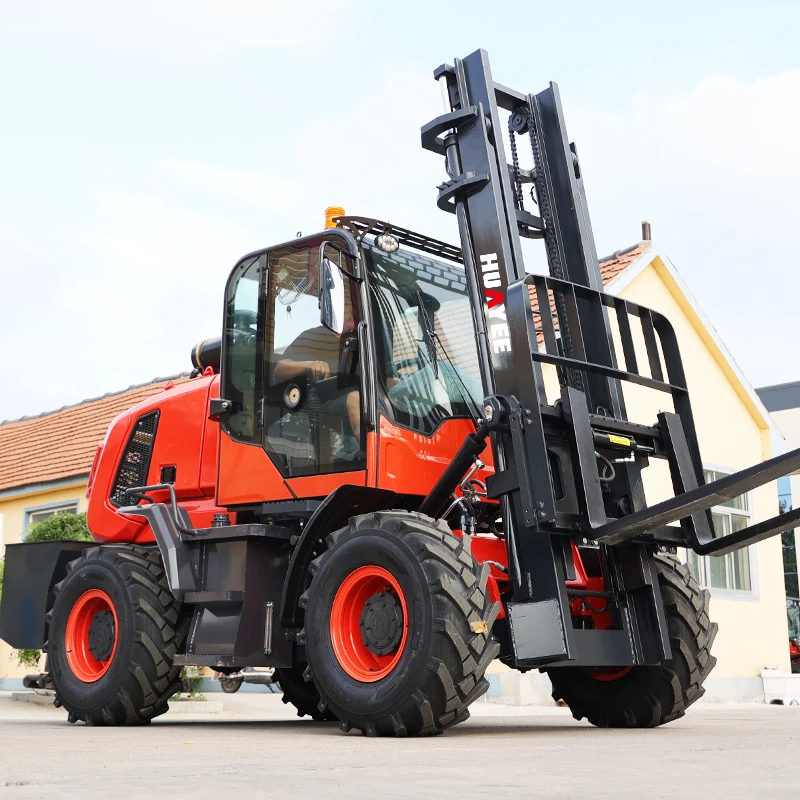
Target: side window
[[312, 403], [734, 572], [33, 516], [242, 370]]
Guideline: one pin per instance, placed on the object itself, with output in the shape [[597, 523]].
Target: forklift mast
[[552, 492]]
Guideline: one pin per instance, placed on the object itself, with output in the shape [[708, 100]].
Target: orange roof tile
[[610, 267], [61, 444]]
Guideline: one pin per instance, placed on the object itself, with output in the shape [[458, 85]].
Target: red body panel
[[214, 472], [410, 463], [398, 459], [185, 439], [246, 475], [183, 413]]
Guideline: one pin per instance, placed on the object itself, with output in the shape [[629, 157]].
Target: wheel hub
[[381, 623], [101, 635], [91, 636], [369, 623]]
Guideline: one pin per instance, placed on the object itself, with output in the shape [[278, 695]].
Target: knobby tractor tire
[[646, 697], [426, 682], [302, 694], [139, 676]]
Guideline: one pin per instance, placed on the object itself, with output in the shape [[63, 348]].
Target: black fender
[[32, 570], [334, 512]]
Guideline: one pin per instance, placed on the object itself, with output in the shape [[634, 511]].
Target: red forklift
[[366, 487]]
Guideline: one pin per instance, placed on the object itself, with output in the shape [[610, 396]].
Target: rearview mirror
[[331, 292]]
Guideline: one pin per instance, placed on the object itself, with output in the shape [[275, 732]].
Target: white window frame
[[751, 594], [70, 506]]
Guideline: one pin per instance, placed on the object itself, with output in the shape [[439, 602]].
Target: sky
[[145, 146]]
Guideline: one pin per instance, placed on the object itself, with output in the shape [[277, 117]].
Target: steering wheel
[[327, 388], [244, 320]]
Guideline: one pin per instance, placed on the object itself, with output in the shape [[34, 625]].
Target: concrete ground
[[257, 747]]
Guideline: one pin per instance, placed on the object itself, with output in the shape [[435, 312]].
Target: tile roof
[[61, 444], [610, 267]]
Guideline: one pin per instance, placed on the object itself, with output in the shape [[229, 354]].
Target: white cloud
[[150, 33], [715, 169]]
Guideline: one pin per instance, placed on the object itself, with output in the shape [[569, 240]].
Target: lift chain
[[566, 376], [515, 163]]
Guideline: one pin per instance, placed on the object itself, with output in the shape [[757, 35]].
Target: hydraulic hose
[[439, 496]]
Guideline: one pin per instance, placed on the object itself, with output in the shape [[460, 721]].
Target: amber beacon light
[[331, 213]]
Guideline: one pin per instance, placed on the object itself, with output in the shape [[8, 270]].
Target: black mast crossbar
[[657, 334]]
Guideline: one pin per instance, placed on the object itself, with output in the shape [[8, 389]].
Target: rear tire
[[645, 697], [302, 695], [133, 683], [428, 621]]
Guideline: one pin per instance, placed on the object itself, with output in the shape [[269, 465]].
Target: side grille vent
[[135, 462]]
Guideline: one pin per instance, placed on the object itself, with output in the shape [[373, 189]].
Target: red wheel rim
[[355, 658], [608, 673], [81, 660]]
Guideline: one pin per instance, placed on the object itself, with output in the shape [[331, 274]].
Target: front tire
[[398, 625], [113, 634], [645, 697]]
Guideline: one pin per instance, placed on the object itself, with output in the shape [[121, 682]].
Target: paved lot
[[257, 747]]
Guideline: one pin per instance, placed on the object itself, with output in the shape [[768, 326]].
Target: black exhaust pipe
[[207, 354]]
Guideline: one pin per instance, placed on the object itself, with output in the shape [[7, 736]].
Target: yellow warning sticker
[[624, 441]]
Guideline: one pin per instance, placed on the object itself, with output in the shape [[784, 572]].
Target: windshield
[[427, 357]]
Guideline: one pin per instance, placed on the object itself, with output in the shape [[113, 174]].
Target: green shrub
[[191, 678], [60, 526], [28, 658]]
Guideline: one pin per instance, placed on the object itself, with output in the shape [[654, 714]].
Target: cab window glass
[[312, 405], [241, 350], [426, 351]]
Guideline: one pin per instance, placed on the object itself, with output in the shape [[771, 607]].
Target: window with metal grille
[[135, 463], [734, 572]]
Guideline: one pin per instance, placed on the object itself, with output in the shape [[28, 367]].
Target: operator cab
[[323, 335]]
